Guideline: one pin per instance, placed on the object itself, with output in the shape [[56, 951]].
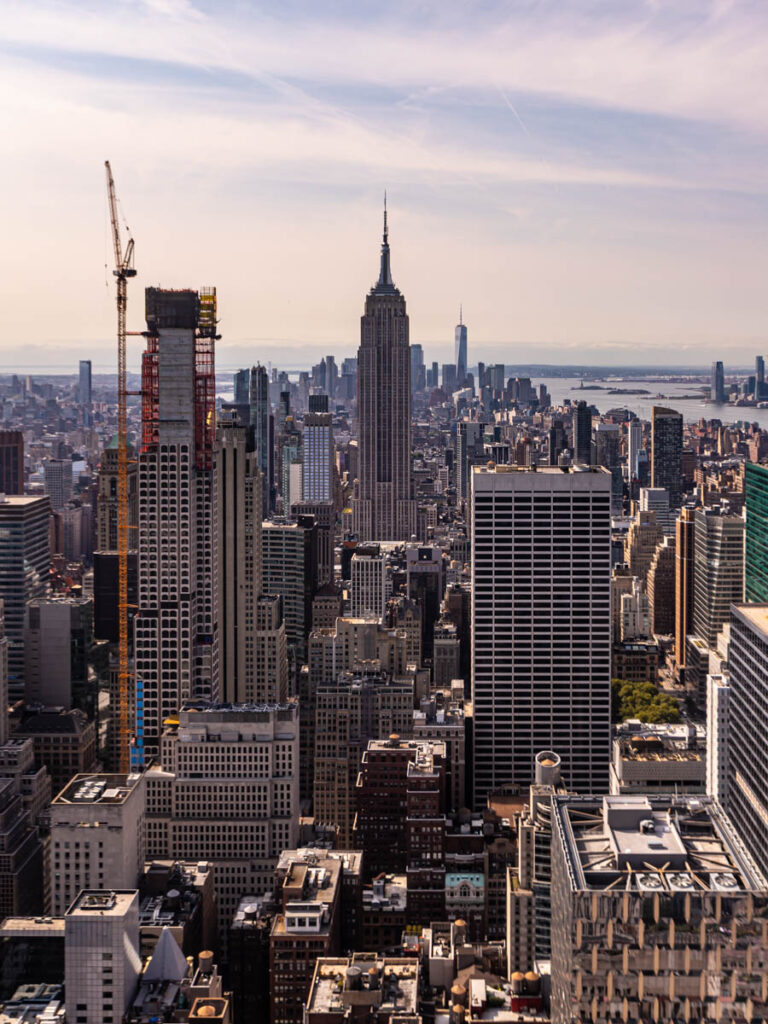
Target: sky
[[587, 178]]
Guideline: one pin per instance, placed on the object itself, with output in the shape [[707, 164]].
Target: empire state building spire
[[385, 285]]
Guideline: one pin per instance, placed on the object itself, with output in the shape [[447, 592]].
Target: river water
[[693, 409]]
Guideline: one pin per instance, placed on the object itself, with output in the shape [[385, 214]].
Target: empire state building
[[384, 507]]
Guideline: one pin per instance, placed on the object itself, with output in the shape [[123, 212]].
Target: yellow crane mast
[[123, 270]]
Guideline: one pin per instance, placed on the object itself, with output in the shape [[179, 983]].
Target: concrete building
[[372, 988], [106, 499], [443, 720], [656, 499], [634, 444], [369, 583], [58, 649], [239, 502], [747, 757], [267, 663], [667, 452], [176, 629], [307, 927], [645, 891], [226, 791], [718, 733], [658, 759], [634, 614], [25, 564], [102, 963], [384, 508], [64, 741], [661, 589], [58, 481], [98, 836], [718, 570], [348, 713], [541, 634], [178, 896], [644, 536]]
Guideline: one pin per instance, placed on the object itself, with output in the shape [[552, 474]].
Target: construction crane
[[123, 270]]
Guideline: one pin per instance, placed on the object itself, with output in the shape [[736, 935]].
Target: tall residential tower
[[176, 627]]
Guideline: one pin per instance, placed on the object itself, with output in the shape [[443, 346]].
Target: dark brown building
[[11, 462]]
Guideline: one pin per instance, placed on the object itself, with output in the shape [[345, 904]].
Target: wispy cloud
[[598, 161]]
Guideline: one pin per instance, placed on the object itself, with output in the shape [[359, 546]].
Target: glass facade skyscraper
[[756, 547]]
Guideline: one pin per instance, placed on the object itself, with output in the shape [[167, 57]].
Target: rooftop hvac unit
[[649, 881]]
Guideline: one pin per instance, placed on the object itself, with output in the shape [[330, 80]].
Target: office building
[[226, 791], [418, 379], [238, 498], [684, 564], [25, 563], [106, 501], [101, 950], [717, 384], [582, 433], [324, 514], [756, 539], [84, 384], [254, 411], [368, 588], [469, 449], [98, 836], [652, 759], [541, 584], [11, 462], [319, 455], [460, 360], [558, 441], [718, 731], [718, 570], [266, 663], [656, 499], [607, 441], [58, 649], [348, 713], [667, 452], [644, 891], [384, 508], [58, 481], [289, 567], [176, 629], [425, 582], [634, 444], [64, 743], [747, 757], [661, 588]]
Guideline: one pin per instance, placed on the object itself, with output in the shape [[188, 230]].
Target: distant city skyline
[[588, 180]]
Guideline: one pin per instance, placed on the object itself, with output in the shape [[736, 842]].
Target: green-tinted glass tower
[[756, 548]]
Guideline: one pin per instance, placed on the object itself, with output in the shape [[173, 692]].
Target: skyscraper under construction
[[384, 506], [176, 629]]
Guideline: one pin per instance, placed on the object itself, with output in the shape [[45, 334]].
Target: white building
[[227, 791], [541, 624], [368, 590], [101, 955], [317, 480], [97, 836], [718, 692], [635, 614]]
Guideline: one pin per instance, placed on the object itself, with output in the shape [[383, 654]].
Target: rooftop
[[109, 902], [756, 615], [385, 985], [32, 927], [658, 843], [98, 789]]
